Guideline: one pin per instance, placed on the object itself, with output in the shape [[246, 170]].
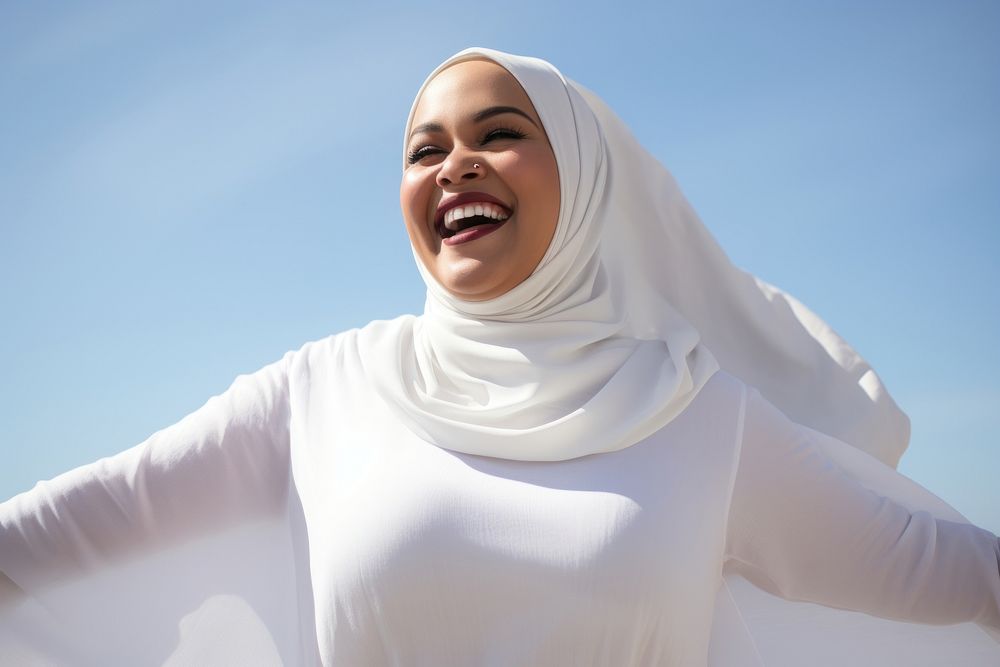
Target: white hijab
[[586, 355], [609, 338]]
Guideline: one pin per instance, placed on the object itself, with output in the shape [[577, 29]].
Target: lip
[[449, 202], [472, 233]]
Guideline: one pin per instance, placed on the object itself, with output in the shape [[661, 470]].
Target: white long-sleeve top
[[397, 551]]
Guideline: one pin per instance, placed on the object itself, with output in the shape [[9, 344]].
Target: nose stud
[[475, 165]]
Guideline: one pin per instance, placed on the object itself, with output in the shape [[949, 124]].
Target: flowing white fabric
[[609, 338], [378, 536], [559, 367], [374, 547]]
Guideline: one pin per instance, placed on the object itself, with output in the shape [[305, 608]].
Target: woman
[[552, 465]]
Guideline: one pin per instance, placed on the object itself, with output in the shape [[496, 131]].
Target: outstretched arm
[[804, 529], [224, 462]]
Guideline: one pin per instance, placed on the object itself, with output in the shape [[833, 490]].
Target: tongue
[[473, 221]]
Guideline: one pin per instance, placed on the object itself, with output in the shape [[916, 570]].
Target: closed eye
[[497, 133], [418, 154], [503, 133]]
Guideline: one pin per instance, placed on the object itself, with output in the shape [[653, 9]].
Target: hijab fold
[[631, 310]]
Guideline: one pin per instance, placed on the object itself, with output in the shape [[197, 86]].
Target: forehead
[[468, 87]]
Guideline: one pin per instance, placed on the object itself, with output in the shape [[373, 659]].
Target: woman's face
[[480, 193]]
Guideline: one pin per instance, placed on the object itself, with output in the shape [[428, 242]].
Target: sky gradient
[[188, 190]]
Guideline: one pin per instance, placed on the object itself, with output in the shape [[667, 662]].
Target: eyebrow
[[479, 117]]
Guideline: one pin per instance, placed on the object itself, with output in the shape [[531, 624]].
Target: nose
[[460, 167]]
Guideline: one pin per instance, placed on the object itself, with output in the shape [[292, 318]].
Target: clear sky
[[189, 189]]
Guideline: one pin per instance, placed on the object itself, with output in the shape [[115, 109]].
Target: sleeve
[[802, 528], [224, 463]]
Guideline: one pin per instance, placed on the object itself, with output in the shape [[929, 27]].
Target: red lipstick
[[473, 233]]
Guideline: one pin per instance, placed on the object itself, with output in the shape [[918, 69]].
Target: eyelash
[[417, 154]]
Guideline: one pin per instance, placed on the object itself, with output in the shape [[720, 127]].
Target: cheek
[[409, 192], [413, 201], [539, 178]]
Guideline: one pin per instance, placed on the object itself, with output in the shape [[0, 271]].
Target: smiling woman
[[597, 434], [480, 194]]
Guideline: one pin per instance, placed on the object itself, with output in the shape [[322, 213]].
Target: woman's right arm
[[225, 462]]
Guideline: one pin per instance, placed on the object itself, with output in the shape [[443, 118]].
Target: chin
[[472, 281], [474, 291]]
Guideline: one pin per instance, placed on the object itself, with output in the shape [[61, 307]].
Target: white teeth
[[453, 215]]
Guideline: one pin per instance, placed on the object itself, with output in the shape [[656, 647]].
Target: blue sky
[[187, 190]]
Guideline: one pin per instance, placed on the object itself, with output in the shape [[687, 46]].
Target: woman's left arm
[[802, 528]]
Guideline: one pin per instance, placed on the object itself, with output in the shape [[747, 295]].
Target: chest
[[396, 528]]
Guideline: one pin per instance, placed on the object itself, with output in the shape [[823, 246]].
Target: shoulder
[[723, 387], [347, 348], [726, 386], [756, 418], [717, 411]]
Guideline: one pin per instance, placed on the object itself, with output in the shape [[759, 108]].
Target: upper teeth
[[453, 215]]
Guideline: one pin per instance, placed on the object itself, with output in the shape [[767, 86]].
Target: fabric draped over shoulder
[[632, 308], [292, 517]]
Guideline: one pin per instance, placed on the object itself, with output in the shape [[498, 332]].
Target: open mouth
[[468, 223], [457, 221]]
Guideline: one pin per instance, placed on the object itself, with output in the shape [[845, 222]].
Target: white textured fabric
[[558, 476], [374, 547], [558, 367], [589, 353]]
